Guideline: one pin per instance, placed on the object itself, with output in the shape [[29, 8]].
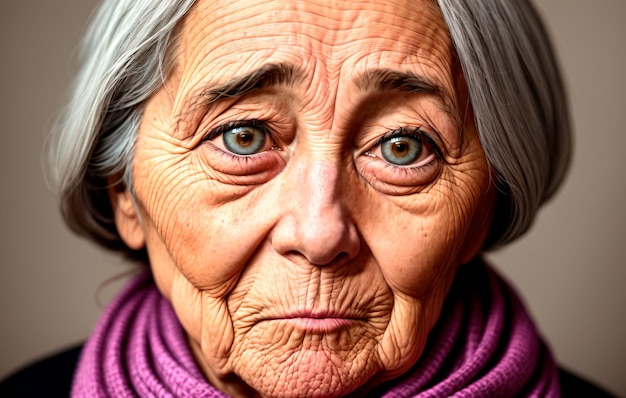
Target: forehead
[[224, 38], [321, 19]]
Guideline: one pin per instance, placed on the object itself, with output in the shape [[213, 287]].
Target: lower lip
[[319, 325]]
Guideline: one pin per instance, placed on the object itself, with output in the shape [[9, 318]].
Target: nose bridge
[[320, 227], [320, 190]]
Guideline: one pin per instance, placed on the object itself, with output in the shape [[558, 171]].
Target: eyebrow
[[392, 80], [405, 81], [269, 75], [285, 74]]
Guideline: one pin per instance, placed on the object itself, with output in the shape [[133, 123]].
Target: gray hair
[[519, 104], [125, 57], [513, 81]]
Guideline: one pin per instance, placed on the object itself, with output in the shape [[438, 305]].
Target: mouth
[[319, 322]]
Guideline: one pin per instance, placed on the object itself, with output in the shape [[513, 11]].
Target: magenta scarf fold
[[484, 345]]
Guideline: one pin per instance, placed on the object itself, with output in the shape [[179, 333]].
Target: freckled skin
[[317, 221]]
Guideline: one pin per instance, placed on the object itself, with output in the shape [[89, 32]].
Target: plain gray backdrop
[[569, 268]]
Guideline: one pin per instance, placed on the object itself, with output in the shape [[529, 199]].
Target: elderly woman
[[310, 186]]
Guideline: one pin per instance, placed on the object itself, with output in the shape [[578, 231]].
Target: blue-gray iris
[[401, 150], [244, 140]]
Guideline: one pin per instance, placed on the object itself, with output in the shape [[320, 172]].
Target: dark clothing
[[52, 377], [575, 386]]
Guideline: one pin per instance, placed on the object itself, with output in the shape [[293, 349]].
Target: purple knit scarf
[[484, 345]]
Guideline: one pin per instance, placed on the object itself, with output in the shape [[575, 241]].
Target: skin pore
[[306, 183]]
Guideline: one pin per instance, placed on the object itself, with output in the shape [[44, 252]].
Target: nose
[[315, 223]]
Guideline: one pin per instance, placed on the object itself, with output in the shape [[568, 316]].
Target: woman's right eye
[[242, 137], [244, 140]]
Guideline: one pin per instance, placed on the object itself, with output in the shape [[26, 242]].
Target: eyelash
[[223, 128]]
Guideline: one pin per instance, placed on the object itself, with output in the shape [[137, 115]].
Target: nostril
[[327, 258], [322, 252], [341, 256]]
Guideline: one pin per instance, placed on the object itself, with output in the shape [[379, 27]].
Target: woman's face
[[307, 182]]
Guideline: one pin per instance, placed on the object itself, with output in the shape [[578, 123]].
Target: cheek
[[203, 241], [416, 250], [198, 245], [418, 246]]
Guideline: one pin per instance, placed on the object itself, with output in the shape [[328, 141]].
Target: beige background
[[570, 268]]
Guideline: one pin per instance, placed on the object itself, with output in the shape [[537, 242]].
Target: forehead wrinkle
[[320, 34]]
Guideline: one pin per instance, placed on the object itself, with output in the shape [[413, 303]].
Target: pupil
[[244, 139], [400, 148]]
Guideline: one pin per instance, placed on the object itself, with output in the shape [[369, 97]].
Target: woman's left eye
[[404, 148], [401, 150]]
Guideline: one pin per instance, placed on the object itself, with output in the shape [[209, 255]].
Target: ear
[[126, 218]]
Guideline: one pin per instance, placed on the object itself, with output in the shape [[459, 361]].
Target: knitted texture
[[484, 345]]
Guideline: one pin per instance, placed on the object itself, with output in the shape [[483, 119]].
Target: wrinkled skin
[[313, 266]]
